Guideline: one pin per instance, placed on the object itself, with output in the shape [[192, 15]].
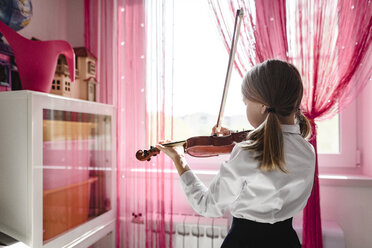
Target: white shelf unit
[[21, 170]]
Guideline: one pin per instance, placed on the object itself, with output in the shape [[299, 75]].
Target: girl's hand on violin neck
[[223, 131], [177, 154], [174, 152]]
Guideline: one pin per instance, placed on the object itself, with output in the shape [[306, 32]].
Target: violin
[[207, 146], [200, 146]]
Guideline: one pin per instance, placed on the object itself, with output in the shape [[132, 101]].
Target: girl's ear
[[263, 109]]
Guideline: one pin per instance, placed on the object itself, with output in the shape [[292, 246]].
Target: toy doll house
[[91, 83], [61, 84], [85, 84]]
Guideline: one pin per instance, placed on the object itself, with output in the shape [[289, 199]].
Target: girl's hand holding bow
[[223, 131]]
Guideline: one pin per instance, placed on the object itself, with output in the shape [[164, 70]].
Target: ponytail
[[304, 123], [267, 140], [273, 155]]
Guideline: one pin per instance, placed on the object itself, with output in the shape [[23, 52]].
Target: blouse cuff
[[188, 178]]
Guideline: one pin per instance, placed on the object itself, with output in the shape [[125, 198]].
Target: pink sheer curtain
[[330, 44], [118, 33], [100, 38]]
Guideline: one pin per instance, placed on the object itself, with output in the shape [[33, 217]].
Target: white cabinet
[[57, 170]]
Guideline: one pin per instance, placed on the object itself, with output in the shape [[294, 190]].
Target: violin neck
[[176, 143]]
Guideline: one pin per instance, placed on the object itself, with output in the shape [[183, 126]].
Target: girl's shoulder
[[242, 146], [300, 144], [241, 155]]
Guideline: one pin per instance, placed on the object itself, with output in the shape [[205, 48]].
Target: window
[[328, 135], [91, 68], [200, 64], [337, 139]]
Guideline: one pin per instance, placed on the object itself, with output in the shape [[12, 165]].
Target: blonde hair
[[278, 85]]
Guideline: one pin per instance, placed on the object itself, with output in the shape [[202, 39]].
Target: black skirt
[[250, 234]]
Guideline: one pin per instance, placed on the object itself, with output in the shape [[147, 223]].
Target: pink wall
[[75, 22], [349, 205], [48, 20], [364, 120], [57, 20], [348, 202]]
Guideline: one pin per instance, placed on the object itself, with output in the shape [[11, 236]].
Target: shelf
[[57, 184]]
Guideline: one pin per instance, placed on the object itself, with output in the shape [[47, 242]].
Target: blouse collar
[[291, 128]]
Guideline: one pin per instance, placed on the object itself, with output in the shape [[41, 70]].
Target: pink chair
[[37, 60]]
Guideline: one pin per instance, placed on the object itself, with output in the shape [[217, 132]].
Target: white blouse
[[266, 197]]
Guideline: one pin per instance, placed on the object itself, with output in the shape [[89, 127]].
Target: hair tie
[[271, 110]]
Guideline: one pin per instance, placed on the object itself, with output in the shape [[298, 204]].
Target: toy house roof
[[83, 52], [91, 78]]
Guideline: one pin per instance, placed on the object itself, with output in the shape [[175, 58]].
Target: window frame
[[347, 156]]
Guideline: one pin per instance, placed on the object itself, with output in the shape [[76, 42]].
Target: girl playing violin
[[269, 176]]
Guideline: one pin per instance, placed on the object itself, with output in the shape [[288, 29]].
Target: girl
[[269, 176]]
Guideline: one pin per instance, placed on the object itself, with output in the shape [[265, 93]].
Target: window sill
[[333, 179], [352, 180], [358, 180]]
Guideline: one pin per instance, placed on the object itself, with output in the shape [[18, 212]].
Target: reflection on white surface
[[214, 172], [16, 245], [85, 236], [61, 167], [332, 177], [350, 177], [200, 172]]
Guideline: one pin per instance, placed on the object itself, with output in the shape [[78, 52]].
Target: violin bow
[[239, 15]]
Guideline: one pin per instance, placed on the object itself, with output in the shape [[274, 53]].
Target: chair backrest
[[37, 60]]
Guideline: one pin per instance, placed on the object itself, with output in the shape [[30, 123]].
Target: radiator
[[199, 232], [187, 231], [192, 231]]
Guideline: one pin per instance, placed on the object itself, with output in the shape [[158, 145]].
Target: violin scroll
[[143, 155]]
